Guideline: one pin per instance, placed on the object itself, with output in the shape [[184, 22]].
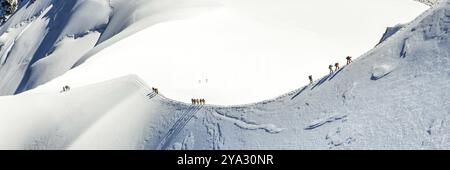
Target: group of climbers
[[332, 70], [311, 80], [198, 101], [336, 68]]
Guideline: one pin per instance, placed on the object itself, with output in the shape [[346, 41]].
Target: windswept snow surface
[[241, 51], [406, 106]]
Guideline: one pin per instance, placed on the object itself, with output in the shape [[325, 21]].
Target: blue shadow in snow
[[298, 93]]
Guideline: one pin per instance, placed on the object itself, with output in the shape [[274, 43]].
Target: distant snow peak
[[428, 2]]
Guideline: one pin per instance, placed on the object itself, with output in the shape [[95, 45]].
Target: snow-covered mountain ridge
[[237, 51], [396, 96]]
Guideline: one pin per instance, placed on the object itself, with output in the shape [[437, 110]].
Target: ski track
[[178, 126]]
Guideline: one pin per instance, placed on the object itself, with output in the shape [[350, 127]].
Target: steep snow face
[[245, 50], [7, 8], [396, 96], [46, 38]]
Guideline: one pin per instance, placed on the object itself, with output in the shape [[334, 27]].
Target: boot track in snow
[[151, 95], [178, 126]]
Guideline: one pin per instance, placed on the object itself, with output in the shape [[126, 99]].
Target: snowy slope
[[396, 96], [7, 8], [242, 51], [428, 2]]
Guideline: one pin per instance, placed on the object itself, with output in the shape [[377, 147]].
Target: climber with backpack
[[349, 60], [331, 68], [337, 66]]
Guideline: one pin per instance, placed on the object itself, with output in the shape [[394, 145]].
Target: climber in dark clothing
[[65, 88], [331, 69], [310, 79], [337, 66], [349, 60]]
